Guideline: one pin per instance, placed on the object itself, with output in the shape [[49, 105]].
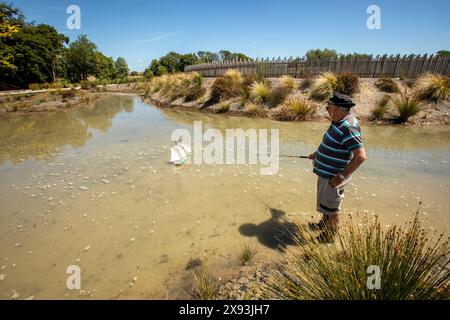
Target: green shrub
[[387, 85], [433, 87], [347, 83], [324, 86], [413, 264], [380, 110], [407, 106]]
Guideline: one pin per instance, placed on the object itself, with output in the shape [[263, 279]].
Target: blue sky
[[143, 30]]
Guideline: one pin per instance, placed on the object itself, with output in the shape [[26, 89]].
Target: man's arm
[[359, 156]]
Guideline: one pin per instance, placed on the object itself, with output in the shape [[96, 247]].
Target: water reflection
[[384, 137], [40, 136]]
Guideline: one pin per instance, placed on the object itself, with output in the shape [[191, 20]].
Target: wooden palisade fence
[[366, 67]]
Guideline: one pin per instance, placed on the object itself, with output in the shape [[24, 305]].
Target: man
[[338, 156]]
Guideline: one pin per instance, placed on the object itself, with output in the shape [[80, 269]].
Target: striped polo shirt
[[335, 151]]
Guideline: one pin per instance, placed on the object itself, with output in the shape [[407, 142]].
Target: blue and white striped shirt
[[335, 151]]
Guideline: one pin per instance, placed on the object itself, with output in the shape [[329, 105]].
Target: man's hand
[[312, 156], [335, 181]]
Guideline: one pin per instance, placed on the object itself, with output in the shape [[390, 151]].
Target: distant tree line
[[175, 62], [37, 53]]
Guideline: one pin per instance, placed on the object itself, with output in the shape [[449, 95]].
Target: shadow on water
[[276, 232]]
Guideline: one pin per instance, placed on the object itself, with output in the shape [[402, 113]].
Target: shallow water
[[91, 187]]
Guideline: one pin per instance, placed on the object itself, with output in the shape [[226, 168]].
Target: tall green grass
[[206, 287], [414, 264], [406, 106], [247, 254], [380, 110]]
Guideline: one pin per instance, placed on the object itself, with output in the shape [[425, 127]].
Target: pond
[[92, 187]]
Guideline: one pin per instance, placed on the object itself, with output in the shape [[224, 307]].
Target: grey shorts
[[328, 198]]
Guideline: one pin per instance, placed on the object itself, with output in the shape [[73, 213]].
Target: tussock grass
[[306, 83], [255, 110], [235, 75], [324, 86], [293, 109], [432, 87], [387, 85], [288, 82], [380, 110], [174, 86], [347, 83], [413, 264], [247, 254], [224, 107], [227, 86], [406, 106], [260, 92], [206, 287]]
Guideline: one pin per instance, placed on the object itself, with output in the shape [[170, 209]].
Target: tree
[[187, 60], [7, 30], [81, 59], [171, 61], [105, 69], [121, 68], [354, 55], [442, 53], [226, 55], [315, 54], [37, 52], [208, 57]]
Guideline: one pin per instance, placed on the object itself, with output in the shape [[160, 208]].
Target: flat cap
[[341, 100]]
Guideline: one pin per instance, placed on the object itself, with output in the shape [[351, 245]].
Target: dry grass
[[347, 83], [260, 92], [413, 264], [255, 110], [387, 85], [288, 82], [293, 109], [324, 86], [226, 87], [433, 87]]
